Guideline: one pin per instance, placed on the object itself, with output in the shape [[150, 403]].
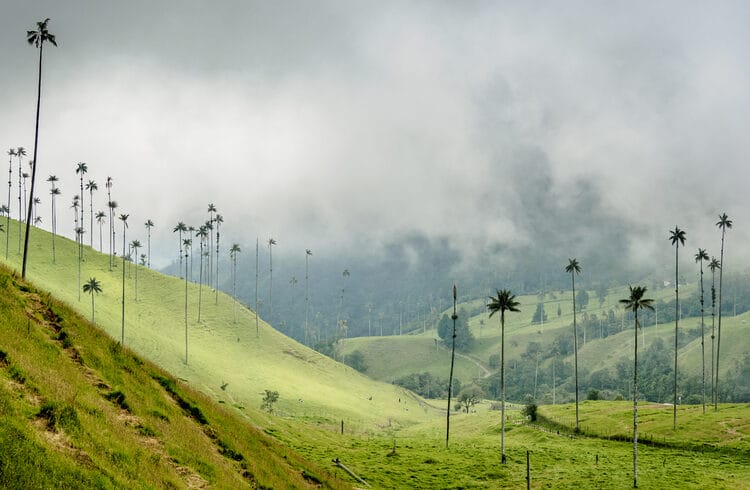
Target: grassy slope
[[110, 421], [311, 386]]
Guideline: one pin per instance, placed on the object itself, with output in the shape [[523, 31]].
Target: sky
[[343, 125]]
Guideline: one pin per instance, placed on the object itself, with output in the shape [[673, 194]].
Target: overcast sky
[[340, 124]]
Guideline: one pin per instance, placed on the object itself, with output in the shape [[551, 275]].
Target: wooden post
[[528, 472], [342, 427]]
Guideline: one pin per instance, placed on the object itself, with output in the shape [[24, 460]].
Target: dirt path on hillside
[[486, 373]]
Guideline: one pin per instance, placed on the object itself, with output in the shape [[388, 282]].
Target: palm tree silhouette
[[636, 302], [202, 233], [210, 238], [25, 176], [504, 301], [79, 237], [81, 168], [92, 286], [191, 229], [271, 243], [454, 317], [36, 38], [233, 255], [54, 191], [149, 224], [188, 243], [91, 187], [135, 245], [179, 229], [110, 203], [713, 265], [124, 219], [20, 152], [677, 237], [700, 257], [724, 223], [574, 268], [11, 154], [219, 220], [100, 217]]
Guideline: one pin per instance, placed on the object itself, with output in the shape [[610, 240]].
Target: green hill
[[79, 411]]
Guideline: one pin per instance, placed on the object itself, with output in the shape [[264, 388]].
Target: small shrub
[[118, 398], [269, 399], [17, 375], [145, 431], [3, 358], [59, 416], [594, 395], [530, 410]]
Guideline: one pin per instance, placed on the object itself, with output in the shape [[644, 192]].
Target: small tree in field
[[468, 397], [269, 399], [92, 286]]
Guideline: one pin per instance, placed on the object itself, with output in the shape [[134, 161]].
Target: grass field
[[317, 394]]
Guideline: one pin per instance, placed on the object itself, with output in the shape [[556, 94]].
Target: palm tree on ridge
[[36, 38], [724, 223], [700, 256], [636, 302], [271, 243], [179, 229], [713, 265], [233, 251], [124, 219], [100, 217], [677, 237], [135, 245], [11, 154], [574, 268], [149, 224], [91, 187], [504, 301], [219, 219], [92, 286]]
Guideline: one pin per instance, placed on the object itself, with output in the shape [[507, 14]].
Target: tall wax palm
[[700, 257], [54, 192], [677, 237], [79, 237], [179, 229], [100, 217], [233, 251], [91, 187], [112, 206], [271, 243], [574, 268], [20, 152], [308, 254], [636, 302], [202, 233], [219, 220], [25, 176], [108, 185], [124, 219], [92, 286], [81, 168], [188, 244], [724, 223], [135, 245], [149, 224], [454, 317], [210, 238], [11, 154], [713, 265], [36, 38], [191, 230], [504, 301]]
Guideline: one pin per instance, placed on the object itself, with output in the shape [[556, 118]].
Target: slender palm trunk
[[703, 344], [122, 341], [91, 218], [234, 285], [186, 310], [575, 343], [148, 245], [216, 291], [502, 384], [676, 323], [83, 207], [307, 297], [111, 237], [270, 283], [718, 339], [635, 403], [713, 334], [450, 377], [200, 283], [92, 307], [20, 205], [33, 166], [100, 237], [135, 261], [54, 228]]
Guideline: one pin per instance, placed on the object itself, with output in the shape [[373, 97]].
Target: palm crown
[[677, 236], [573, 266], [724, 221], [701, 255], [40, 35], [505, 301], [636, 301]]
